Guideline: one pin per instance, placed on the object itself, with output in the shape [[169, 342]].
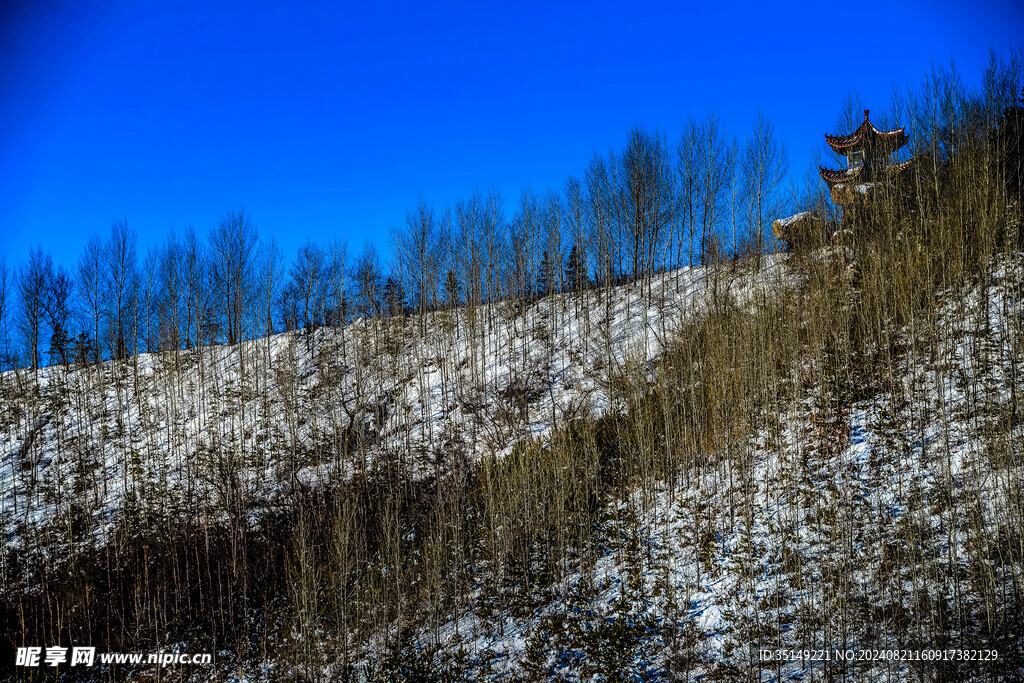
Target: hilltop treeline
[[366, 570], [654, 205]]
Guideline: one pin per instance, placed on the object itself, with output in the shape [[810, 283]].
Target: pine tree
[[452, 289], [1010, 140], [545, 275], [83, 346], [57, 304], [575, 270], [394, 296]]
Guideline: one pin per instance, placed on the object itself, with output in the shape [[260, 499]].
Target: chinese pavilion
[[868, 153]]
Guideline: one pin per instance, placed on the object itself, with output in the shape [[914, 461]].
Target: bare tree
[[716, 159], [146, 299], [32, 289], [5, 298], [552, 237], [734, 183], [764, 167], [337, 275], [307, 278], [422, 250], [92, 289], [494, 235], [646, 196], [600, 222], [575, 216], [121, 275], [688, 170], [271, 271], [288, 305], [196, 295], [170, 288], [525, 231], [369, 282], [469, 248], [233, 251], [577, 268]]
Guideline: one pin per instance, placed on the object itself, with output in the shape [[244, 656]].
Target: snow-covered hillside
[[840, 523], [245, 422], [691, 581]]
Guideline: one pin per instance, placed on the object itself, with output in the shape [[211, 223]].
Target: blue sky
[[331, 120]]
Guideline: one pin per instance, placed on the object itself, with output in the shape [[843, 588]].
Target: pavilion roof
[[853, 175], [867, 136]]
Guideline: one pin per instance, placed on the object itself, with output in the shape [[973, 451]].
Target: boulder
[[796, 228]]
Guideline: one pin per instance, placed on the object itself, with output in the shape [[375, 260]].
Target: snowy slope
[[246, 422], [832, 486], [884, 488]]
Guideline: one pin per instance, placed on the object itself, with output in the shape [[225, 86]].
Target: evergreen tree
[[394, 296], [83, 348], [452, 289], [545, 275], [575, 270], [57, 305], [1010, 139]]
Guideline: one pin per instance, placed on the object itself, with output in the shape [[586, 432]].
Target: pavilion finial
[[865, 114]]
